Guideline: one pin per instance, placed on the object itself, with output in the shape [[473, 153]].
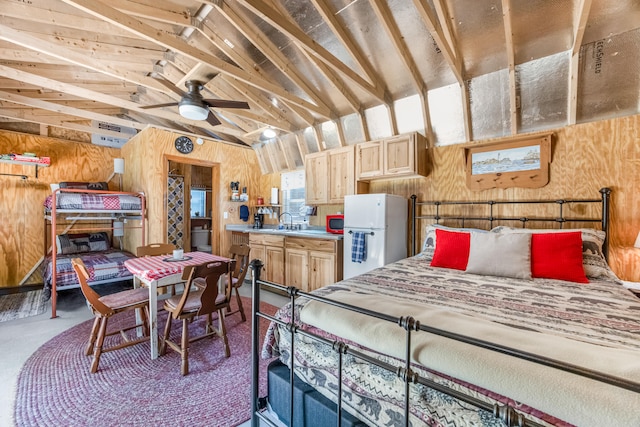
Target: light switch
[[225, 215]]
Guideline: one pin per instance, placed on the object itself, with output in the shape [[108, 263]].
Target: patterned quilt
[[102, 266], [601, 313], [91, 201]]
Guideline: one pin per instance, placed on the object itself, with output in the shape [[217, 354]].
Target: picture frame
[[515, 162]]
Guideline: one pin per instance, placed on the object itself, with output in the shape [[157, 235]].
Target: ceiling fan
[[193, 106]]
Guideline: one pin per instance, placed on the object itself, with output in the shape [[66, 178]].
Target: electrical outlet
[[225, 215]]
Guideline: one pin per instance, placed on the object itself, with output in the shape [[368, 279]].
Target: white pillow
[[506, 255], [593, 261]]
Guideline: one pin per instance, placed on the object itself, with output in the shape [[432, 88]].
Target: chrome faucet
[[290, 227]]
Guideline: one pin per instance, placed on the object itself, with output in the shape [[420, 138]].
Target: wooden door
[[184, 167]]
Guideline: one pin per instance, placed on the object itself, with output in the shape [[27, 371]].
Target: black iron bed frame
[[505, 412]]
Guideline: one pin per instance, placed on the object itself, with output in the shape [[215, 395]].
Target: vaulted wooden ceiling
[[322, 73]]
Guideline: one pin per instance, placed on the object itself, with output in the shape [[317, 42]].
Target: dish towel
[[244, 213], [359, 247]]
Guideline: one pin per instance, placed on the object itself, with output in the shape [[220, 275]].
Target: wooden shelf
[[21, 163]]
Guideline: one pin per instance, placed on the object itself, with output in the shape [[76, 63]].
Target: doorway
[[191, 204]]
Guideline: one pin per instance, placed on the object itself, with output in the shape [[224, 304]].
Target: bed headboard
[[488, 214]]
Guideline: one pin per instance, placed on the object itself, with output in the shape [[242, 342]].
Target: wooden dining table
[[156, 272]]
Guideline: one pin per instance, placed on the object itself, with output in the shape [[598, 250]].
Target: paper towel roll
[[274, 195]]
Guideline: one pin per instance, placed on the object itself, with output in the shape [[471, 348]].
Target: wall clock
[[184, 145]]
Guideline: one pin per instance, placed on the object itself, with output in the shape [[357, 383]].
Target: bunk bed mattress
[[102, 266], [82, 201], [596, 324]]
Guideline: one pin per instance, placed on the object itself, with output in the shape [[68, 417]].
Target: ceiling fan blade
[[168, 104], [169, 85], [223, 103], [212, 119]]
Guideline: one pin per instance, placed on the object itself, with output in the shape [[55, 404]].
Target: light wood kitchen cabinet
[[330, 175], [270, 250], [369, 160], [402, 156], [313, 263]]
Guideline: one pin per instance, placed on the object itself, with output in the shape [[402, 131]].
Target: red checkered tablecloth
[[154, 267]]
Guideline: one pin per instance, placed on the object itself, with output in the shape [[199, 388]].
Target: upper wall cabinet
[[329, 175], [402, 156]]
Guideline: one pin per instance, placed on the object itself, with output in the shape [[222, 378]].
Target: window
[[292, 195], [198, 203]]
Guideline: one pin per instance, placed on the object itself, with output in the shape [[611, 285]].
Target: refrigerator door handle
[[371, 233]]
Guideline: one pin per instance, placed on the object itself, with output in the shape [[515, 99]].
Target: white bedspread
[[581, 401]]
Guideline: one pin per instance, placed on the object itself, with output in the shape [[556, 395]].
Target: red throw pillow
[[452, 249], [557, 256]]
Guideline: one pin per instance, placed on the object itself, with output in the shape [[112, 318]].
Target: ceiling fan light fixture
[[269, 133], [193, 112]]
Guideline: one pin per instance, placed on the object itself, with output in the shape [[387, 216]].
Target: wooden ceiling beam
[[444, 19], [255, 97], [25, 40], [50, 106], [445, 43], [267, 13], [385, 17], [508, 35], [93, 34], [325, 70], [26, 116], [330, 18], [147, 32], [243, 24], [152, 12], [580, 17], [88, 94], [78, 23]]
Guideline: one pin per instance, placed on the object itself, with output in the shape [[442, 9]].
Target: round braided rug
[[55, 386]]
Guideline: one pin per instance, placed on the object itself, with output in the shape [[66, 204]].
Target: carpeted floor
[[22, 304], [129, 389]]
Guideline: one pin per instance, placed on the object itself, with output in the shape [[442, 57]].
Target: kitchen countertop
[[311, 232]]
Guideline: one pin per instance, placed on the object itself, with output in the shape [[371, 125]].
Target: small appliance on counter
[[335, 223], [258, 220]]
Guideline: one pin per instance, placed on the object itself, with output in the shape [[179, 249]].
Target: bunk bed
[[82, 220], [416, 344]]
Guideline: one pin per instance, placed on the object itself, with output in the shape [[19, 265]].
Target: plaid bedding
[[601, 313], [102, 266], [82, 201]]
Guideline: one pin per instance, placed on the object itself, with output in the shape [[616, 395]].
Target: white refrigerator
[[383, 220]]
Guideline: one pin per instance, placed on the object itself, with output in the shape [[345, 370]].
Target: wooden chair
[[154, 249], [240, 253], [196, 301], [106, 306]]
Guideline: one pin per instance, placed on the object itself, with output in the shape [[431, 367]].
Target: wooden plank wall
[[144, 158], [21, 211]]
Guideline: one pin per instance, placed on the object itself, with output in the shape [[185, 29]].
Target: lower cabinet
[[270, 250], [312, 263]]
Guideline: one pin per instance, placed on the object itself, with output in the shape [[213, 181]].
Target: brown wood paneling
[[21, 211]]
